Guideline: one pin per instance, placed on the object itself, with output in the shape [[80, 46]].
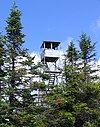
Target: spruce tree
[[20, 94], [87, 55], [70, 61], [72, 54], [18, 63]]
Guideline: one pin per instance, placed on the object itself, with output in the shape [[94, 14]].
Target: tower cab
[[50, 52]]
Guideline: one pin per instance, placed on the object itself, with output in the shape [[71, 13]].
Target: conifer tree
[[87, 55], [72, 54], [70, 61], [18, 63], [20, 93], [14, 39]]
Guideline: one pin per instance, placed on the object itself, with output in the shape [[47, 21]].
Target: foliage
[[87, 56], [24, 102], [72, 54], [18, 95], [75, 102]]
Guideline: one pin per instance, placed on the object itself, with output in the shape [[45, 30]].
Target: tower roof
[[47, 44]]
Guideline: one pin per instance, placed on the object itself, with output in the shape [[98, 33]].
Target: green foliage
[[86, 48], [87, 55], [19, 104], [6, 125], [75, 102], [72, 54], [2, 55]]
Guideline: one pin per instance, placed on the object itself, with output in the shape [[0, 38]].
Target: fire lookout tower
[[49, 57]]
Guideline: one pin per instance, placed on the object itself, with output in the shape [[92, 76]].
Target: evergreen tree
[[87, 55], [18, 63], [70, 61], [20, 94], [72, 54]]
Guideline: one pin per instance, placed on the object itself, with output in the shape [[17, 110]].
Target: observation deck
[[50, 52]]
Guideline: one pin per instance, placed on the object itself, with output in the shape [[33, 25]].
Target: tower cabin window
[[50, 45]]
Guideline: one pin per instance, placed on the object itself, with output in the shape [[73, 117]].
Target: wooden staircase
[[52, 79]]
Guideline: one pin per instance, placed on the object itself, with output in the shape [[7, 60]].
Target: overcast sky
[[55, 20]]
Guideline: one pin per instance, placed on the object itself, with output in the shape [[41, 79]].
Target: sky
[[55, 20]]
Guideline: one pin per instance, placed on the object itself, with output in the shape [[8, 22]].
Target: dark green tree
[[87, 55], [20, 105], [72, 54], [71, 61], [18, 63]]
